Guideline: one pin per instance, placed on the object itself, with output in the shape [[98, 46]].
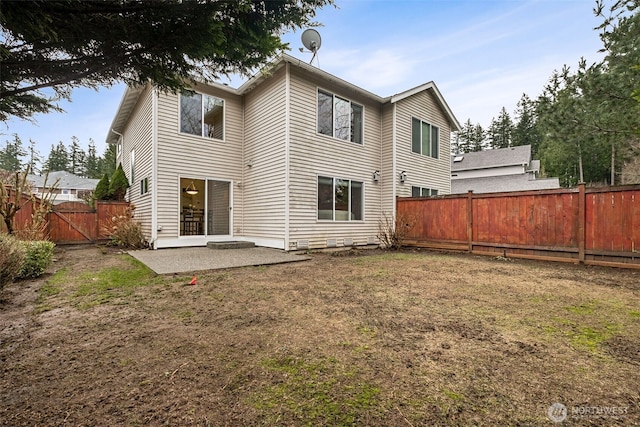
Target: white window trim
[[334, 220], [430, 189], [132, 166], [224, 118], [333, 136], [430, 141]]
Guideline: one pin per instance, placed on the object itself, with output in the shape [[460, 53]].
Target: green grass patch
[[103, 286], [51, 287], [591, 338], [456, 397], [634, 313], [314, 392], [583, 309]]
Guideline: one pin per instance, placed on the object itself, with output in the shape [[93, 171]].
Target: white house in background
[[295, 158], [69, 187], [499, 170]]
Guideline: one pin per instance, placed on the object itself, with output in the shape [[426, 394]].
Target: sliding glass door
[[205, 207]]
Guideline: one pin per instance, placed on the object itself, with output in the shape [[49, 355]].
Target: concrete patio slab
[[183, 260]]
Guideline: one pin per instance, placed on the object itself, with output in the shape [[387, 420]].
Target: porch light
[[403, 176], [376, 176], [191, 189]]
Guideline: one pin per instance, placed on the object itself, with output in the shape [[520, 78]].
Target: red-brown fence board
[[595, 225], [613, 221], [106, 211], [72, 222]]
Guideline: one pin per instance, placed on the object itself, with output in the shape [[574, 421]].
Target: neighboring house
[[499, 170], [295, 158], [69, 187]]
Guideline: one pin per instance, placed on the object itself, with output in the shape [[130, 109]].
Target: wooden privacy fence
[[73, 222], [598, 226]]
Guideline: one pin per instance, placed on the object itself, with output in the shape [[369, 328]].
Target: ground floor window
[[340, 199], [204, 207], [423, 191]]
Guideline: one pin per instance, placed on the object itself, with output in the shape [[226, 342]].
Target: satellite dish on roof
[[311, 40]]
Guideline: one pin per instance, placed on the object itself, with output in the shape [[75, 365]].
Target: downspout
[[287, 142], [381, 166], [243, 175], [120, 135], [154, 168]]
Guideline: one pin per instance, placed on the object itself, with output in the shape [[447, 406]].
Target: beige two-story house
[[295, 158]]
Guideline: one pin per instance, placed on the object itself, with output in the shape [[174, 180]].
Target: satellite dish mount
[[311, 40]]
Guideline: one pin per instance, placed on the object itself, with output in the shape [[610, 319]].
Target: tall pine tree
[[58, 159], [11, 155], [91, 163], [500, 130], [76, 158], [525, 131]]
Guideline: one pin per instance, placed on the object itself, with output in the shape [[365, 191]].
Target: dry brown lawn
[[358, 338]]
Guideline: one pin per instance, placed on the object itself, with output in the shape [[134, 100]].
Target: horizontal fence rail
[[71, 222], [598, 226]]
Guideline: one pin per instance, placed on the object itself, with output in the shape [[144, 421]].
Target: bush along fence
[[597, 226], [73, 222]]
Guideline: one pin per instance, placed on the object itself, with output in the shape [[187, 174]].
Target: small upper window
[[339, 117], [424, 138], [202, 115]]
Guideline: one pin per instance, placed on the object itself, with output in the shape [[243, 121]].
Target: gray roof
[[67, 181], [497, 184], [499, 157], [132, 93]]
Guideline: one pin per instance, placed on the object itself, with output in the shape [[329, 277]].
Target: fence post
[[582, 209], [470, 220]]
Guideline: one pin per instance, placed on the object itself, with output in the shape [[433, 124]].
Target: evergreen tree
[[11, 154], [92, 162], [588, 119], [470, 138], [500, 130], [119, 184], [66, 44], [107, 163], [76, 158], [526, 131], [102, 191], [34, 158], [58, 159]]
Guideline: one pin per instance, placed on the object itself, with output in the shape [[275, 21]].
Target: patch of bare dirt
[[363, 337]]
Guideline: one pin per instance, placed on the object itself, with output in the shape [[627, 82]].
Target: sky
[[481, 54]]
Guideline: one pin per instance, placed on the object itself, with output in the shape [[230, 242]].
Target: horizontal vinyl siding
[[422, 171], [181, 155], [138, 136], [264, 181], [312, 154], [388, 177]]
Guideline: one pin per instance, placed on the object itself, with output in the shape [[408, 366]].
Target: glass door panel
[[218, 199]]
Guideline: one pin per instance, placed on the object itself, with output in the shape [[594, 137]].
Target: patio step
[[230, 245]]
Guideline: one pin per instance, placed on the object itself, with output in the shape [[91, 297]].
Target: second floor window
[[202, 115], [424, 138], [339, 117]]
